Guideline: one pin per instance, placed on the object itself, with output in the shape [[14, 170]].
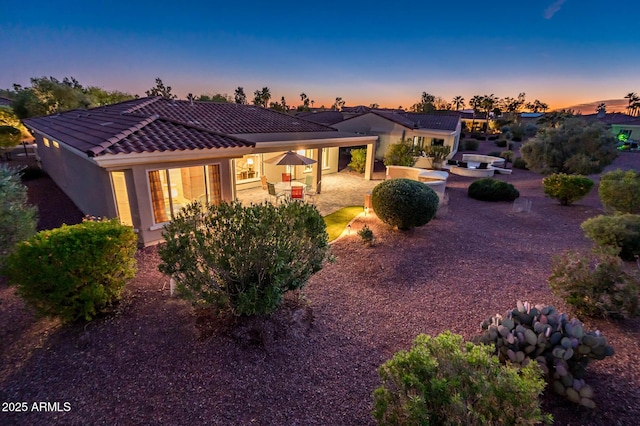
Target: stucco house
[[142, 160], [438, 128], [623, 126]]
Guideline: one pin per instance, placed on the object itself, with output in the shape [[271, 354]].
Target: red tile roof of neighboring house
[[434, 121], [158, 124], [5, 101], [322, 117]]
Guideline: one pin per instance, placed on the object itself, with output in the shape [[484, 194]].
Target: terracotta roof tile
[[434, 121]]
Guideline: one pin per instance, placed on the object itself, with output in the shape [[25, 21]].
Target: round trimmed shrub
[[621, 232], [74, 272], [501, 143], [519, 163], [471, 145], [566, 188], [489, 189], [404, 203]]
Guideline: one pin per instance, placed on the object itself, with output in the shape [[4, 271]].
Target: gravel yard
[[152, 363]]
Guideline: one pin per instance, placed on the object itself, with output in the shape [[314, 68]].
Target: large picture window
[[248, 168], [173, 189]]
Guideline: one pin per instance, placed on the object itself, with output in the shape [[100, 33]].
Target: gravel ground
[[154, 363]]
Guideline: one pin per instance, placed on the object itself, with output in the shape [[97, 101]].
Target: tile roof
[[433, 121], [5, 101], [322, 117], [109, 130], [229, 118], [156, 124]]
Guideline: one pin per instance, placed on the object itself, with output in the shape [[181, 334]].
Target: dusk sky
[[562, 52]]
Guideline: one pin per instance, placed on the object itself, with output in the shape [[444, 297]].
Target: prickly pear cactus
[[560, 345]]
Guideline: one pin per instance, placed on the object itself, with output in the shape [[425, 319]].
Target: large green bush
[[573, 147], [471, 145], [404, 203], [621, 232], [446, 381], [74, 272], [620, 191], [358, 160], [519, 163], [566, 188], [489, 189], [595, 285], [400, 154], [243, 258], [17, 219], [561, 347]]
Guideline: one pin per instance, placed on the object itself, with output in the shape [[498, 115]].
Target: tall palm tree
[[487, 104], [634, 103], [475, 103], [458, 102]]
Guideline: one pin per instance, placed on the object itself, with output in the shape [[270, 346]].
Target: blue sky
[[561, 52]]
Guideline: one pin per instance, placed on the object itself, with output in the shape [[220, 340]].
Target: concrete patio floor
[[339, 190]]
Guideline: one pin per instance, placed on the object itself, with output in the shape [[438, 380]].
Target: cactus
[[560, 345]]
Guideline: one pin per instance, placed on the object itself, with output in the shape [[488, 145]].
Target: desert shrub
[[566, 188], [493, 138], [404, 203], [516, 138], [74, 272], [620, 191], [561, 347], [471, 145], [621, 232], [358, 160], [439, 153], [9, 136], [574, 147], [243, 259], [400, 154], [447, 381], [530, 129], [501, 143], [489, 189], [477, 136], [595, 285], [17, 218], [494, 153], [366, 234], [507, 155], [31, 173], [519, 163]]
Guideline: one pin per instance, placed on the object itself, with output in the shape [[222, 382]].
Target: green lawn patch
[[337, 221]]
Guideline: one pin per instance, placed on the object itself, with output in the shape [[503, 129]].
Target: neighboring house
[[143, 160], [438, 128], [474, 121], [623, 126], [5, 101], [322, 117]]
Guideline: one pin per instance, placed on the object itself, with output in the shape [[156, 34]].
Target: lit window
[[173, 189], [248, 168], [122, 197], [56, 144], [46, 142]]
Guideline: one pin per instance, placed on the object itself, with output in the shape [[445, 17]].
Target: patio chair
[[463, 164], [483, 165], [311, 194], [308, 180], [263, 179], [452, 162], [273, 194], [297, 193], [286, 177]]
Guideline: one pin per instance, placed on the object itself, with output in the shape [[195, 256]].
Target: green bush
[[501, 143], [595, 285], [358, 160], [494, 153], [566, 188], [471, 145], [489, 189], [561, 347], [621, 232], [17, 219], [620, 191], [400, 154], [74, 272], [243, 259], [530, 129], [574, 147], [507, 155], [439, 153], [404, 203], [366, 234], [519, 163], [446, 381]]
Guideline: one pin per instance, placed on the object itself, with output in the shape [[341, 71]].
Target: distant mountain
[[613, 105]]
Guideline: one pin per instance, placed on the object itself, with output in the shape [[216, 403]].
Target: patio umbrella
[[290, 158]]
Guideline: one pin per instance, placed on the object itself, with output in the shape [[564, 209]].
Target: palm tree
[[634, 103], [601, 108], [475, 103], [487, 104], [458, 102], [339, 103]]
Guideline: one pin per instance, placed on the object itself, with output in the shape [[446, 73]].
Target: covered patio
[[339, 190]]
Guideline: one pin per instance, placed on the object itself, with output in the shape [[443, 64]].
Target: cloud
[[551, 10]]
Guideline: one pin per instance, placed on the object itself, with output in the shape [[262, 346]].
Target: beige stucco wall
[[84, 182], [635, 130], [389, 132]]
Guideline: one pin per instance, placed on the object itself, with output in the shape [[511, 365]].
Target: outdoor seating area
[[435, 179], [476, 169]]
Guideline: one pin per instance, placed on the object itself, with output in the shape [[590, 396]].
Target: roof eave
[[111, 161]]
